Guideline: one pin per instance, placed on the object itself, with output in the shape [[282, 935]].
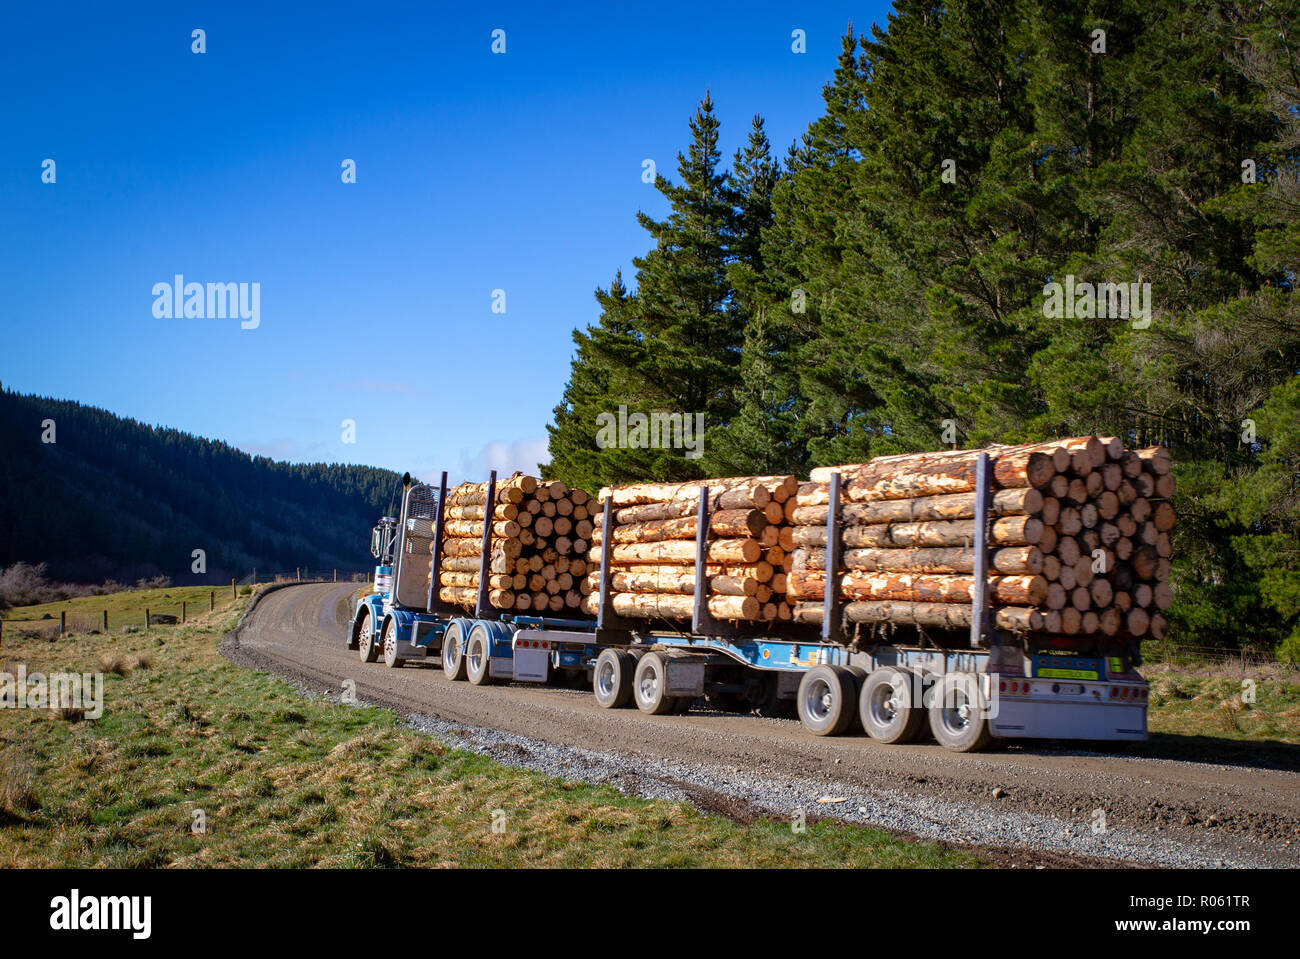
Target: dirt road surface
[[1174, 801]]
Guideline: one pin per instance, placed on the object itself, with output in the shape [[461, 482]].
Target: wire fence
[[1178, 655], [304, 574], [163, 606]]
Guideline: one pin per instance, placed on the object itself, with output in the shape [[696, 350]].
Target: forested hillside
[[885, 287], [113, 498]]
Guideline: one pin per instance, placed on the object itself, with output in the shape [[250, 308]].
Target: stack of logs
[[652, 568], [540, 535], [1079, 540]]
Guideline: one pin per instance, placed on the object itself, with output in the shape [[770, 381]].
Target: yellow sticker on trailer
[[1067, 674]]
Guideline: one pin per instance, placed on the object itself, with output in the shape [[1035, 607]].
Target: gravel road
[[1175, 801]]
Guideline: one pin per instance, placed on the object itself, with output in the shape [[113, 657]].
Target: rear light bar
[[532, 644]]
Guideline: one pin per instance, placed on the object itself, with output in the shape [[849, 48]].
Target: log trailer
[[969, 690]]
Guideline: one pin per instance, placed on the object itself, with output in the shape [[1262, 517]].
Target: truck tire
[[890, 705], [958, 717], [769, 704], [366, 644], [391, 659], [650, 685], [453, 652], [612, 678], [478, 657], [859, 680], [827, 700]]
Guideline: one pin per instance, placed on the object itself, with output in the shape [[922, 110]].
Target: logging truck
[[968, 687]]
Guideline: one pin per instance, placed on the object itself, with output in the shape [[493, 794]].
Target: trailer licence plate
[[1068, 689]]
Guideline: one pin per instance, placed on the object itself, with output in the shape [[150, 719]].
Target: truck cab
[[391, 620]]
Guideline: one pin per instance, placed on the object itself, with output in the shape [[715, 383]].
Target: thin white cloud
[[505, 458]]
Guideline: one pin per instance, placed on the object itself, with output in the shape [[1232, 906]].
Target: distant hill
[[114, 498]]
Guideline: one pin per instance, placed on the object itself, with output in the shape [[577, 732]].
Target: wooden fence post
[[106, 621], [234, 594], [182, 610], [63, 622], [146, 619], [212, 600]]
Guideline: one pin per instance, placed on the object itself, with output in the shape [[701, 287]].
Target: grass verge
[[277, 779], [1258, 706]]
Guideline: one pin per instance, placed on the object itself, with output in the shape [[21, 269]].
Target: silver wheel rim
[[451, 651], [605, 680], [819, 700], [885, 705], [649, 685], [390, 645], [957, 711], [475, 654]]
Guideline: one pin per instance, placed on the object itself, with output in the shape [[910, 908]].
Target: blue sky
[[475, 172]]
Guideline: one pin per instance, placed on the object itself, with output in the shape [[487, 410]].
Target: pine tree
[[692, 338]]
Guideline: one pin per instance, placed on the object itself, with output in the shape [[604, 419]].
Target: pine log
[[683, 551], [758, 489], [1006, 502], [671, 606], [935, 615], [1003, 590], [1011, 560], [1005, 531]]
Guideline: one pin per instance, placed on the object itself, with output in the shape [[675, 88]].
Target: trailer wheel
[[650, 685], [958, 715], [612, 678], [827, 703], [366, 644], [859, 680], [453, 652], [769, 704], [890, 706], [391, 659], [478, 657]]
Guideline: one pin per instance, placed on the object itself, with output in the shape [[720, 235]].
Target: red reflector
[[1002, 686]]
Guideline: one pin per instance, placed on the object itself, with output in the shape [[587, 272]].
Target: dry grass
[[281, 780]]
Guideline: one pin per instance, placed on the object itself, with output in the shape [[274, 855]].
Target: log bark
[[669, 606], [744, 551], [733, 524], [1005, 531], [934, 615], [759, 490], [1003, 590], [1006, 502], [1011, 560]]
